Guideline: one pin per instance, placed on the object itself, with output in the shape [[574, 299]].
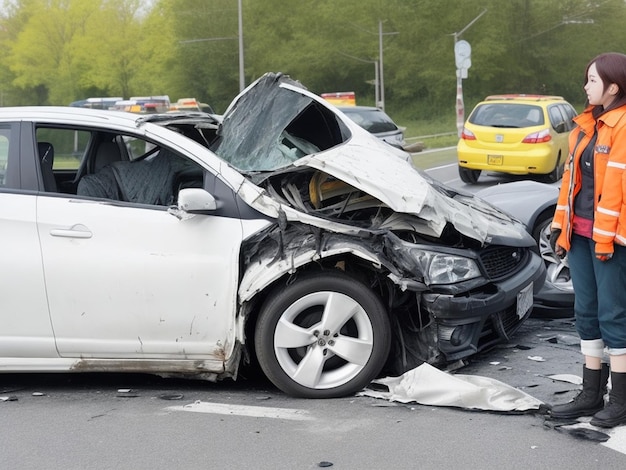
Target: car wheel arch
[[282, 364], [540, 220], [347, 263]]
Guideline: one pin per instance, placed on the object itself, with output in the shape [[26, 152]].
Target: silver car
[[533, 203]]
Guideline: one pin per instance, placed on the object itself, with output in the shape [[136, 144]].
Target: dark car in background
[[377, 122]]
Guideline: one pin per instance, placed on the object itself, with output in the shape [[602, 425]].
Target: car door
[[25, 329], [134, 281]]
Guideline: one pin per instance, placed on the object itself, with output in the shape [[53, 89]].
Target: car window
[[105, 164], [570, 113], [4, 154], [507, 115], [372, 120], [270, 127], [69, 146], [136, 147], [557, 119]]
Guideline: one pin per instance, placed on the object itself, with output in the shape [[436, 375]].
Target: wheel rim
[[323, 340], [557, 269]]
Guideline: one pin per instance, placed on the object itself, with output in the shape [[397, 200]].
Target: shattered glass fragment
[[570, 378], [171, 396], [536, 358]]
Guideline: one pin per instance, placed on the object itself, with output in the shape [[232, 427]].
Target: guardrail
[[443, 134]]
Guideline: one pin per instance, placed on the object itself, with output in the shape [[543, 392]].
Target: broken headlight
[[443, 268]]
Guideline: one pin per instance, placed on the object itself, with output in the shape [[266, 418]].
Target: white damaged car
[[187, 244]]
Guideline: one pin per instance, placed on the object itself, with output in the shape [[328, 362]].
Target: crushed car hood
[[276, 126]]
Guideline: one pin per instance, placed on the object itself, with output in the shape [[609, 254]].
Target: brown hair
[[611, 67]]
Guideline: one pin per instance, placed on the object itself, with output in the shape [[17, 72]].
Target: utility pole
[[242, 80], [376, 79], [381, 103]]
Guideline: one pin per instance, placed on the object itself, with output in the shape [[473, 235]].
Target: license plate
[[494, 159], [524, 300]]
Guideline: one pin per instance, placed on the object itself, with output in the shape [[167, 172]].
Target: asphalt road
[[141, 422]]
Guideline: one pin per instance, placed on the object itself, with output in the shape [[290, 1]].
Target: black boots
[[591, 399], [615, 411]]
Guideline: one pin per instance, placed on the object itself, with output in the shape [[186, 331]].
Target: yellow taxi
[[516, 134]]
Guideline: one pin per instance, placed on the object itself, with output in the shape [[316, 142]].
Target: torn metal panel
[[275, 252], [277, 127]]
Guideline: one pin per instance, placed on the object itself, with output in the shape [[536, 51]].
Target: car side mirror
[[196, 201]]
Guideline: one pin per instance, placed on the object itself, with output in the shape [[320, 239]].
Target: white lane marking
[[243, 410], [617, 436], [618, 439], [441, 167]]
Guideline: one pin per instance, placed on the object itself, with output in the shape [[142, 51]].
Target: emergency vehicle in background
[[340, 98], [144, 104], [97, 103], [191, 104]]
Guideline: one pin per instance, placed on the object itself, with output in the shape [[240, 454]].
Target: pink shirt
[[582, 227]]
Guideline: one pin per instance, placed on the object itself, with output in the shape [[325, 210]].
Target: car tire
[[325, 335], [469, 176]]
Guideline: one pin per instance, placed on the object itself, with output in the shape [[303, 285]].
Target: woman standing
[[590, 225]]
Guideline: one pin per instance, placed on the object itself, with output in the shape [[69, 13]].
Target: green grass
[[432, 159], [433, 133]]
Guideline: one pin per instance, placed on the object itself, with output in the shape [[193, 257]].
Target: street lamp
[[242, 80], [376, 79], [381, 104], [462, 52], [380, 81]]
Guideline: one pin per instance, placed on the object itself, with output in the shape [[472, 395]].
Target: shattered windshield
[[270, 127]]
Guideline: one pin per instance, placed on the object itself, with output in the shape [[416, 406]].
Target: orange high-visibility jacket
[[609, 160]]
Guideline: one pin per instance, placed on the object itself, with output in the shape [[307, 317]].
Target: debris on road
[[171, 396], [570, 378], [428, 385], [536, 358]]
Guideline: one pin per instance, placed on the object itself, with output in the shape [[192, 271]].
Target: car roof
[[523, 97], [87, 116], [359, 108]]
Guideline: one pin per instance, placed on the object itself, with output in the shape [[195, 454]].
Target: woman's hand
[[558, 249]]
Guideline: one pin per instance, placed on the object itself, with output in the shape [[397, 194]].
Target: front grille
[[501, 261], [500, 327]]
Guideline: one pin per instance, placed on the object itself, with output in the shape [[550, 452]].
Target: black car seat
[[46, 159], [106, 153], [101, 182]]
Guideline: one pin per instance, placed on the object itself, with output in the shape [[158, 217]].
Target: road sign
[[463, 54]]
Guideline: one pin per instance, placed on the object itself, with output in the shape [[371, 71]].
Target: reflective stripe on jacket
[[609, 159]]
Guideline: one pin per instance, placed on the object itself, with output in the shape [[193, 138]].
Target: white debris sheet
[[428, 385]]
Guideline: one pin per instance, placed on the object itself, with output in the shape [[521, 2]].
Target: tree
[[56, 51]]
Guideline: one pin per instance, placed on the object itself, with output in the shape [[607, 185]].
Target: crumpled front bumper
[[472, 322]]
